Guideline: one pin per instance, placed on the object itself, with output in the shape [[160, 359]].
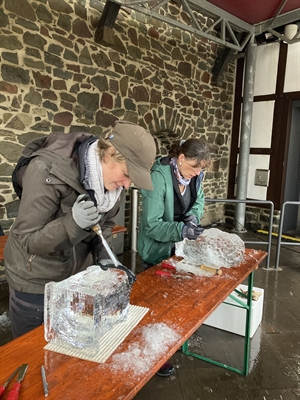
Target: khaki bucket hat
[[137, 145]]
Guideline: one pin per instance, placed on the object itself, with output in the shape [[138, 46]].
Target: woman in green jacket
[[173, 210]]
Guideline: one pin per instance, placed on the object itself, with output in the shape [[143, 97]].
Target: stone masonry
[[55, 77]]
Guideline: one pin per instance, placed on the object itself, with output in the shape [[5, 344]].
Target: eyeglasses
[[196, 168]]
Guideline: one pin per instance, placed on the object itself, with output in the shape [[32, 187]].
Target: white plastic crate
[[233, 319]]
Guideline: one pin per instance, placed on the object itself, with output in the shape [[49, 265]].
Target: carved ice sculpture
[[213, 248], [81, 309]]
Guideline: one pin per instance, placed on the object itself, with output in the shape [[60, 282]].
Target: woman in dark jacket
[[51, 238]]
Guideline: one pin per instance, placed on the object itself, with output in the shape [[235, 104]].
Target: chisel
[[131, 277], [14, 393], [44, 380], [97, 229], [3, 387], [215, 271]]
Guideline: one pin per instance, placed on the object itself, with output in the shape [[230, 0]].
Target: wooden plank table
[[182, 304]]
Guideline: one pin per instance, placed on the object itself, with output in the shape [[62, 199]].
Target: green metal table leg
[[247, 343]]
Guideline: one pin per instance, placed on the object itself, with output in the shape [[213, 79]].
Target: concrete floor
[[275, 347]]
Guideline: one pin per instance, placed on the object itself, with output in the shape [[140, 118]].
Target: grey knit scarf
[[106, 199]]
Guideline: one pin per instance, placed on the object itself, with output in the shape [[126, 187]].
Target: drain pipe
[[134, 217], [243, 165]]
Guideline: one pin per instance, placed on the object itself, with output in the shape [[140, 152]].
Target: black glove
[[107, 263], [190, 219], [191, 232]]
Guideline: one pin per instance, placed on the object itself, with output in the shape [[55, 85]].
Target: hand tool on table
[[3, 387], [213, 270], [45, 384], [97, 229], [14, 393]]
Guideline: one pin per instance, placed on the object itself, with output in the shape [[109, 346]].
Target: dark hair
[[193, 149]]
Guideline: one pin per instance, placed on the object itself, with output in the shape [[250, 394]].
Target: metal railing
[[280, 242], [271, 207]]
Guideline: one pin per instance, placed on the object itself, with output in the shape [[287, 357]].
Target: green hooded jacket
[[158, 231]]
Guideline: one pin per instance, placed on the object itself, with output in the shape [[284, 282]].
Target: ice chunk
[[82, 308], [214, 248]]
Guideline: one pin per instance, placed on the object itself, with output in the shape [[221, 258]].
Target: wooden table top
[[183, 304]]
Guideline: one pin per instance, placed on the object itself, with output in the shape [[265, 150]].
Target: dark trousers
[[26, 311]]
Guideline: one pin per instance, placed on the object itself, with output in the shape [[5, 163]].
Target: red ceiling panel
[[255, 11]]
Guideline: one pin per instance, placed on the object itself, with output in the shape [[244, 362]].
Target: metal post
[[134, 217], [279, 236], [243, 165], [279, 240]]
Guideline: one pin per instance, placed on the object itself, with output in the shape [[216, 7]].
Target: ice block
[[81, 309], [214, 248]]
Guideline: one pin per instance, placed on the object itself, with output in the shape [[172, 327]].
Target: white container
[[233, 319]]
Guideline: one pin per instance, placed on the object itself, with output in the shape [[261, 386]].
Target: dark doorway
[[291, 223]]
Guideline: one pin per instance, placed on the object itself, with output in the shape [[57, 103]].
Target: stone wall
[[55, 77]]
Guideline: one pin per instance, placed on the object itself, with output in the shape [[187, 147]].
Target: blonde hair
[[105, 148]]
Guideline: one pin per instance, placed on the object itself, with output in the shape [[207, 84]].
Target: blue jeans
[[26, 311]]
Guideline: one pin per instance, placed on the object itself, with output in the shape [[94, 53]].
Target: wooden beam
[[104, 32]]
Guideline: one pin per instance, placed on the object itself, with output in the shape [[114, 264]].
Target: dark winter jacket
[[45, 244], [158, 231]]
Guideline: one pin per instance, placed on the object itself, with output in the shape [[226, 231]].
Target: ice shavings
[[213, 248], [141, 356], [255, 254]]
